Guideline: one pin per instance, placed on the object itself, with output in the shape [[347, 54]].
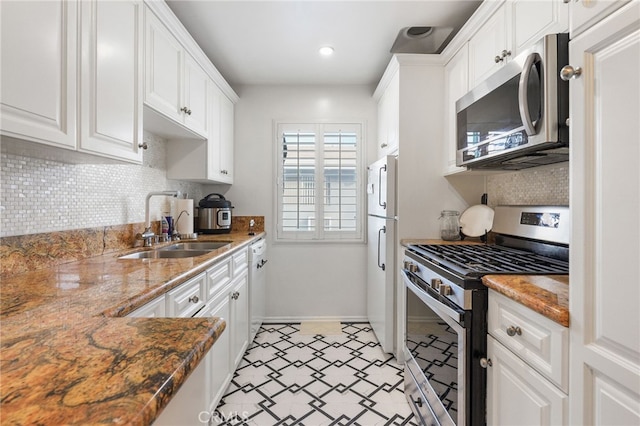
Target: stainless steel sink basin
[[164, 254], [196, 245]]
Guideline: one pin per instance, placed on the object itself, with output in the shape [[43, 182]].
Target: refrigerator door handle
[[383, 229], [381, 203]]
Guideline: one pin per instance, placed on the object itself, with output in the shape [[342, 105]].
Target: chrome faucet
[[147, 235], [175, 228]]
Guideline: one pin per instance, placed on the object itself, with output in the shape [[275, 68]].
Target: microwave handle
[[523, 94]]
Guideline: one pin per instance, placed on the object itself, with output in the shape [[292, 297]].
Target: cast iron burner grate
[[478, 260]]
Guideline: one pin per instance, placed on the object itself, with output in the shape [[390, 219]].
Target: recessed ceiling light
[[326, 51]]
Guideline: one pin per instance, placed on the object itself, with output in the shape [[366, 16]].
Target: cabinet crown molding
[[404, 59]]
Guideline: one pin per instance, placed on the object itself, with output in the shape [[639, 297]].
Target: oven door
[[436, 355]]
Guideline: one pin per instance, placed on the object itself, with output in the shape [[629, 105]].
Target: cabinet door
[[226, 139], [585, 13], [218, 364], [111, 78], [38, 75], [195, 91], [239, 326], [532, 19], [605, 207], [389, 113], [486, 47], [456, 76], [163, 69], [517, 395]]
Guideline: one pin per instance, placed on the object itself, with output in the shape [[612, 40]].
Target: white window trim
[[320, 236]]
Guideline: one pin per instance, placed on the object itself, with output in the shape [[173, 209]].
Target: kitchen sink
[[196, 245], [164, 254]]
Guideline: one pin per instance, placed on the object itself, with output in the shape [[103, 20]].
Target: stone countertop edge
[[546, 294], [65, 359]]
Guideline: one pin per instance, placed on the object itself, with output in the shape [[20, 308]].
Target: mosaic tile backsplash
[[548, 185], [40, 195]]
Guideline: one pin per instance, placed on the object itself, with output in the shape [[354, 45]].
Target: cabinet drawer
[[187, 299], [540, 342], [218, 276], [154, 309], [240, 262]]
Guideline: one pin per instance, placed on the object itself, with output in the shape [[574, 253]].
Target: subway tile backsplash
[[43, 195], [547, 185]]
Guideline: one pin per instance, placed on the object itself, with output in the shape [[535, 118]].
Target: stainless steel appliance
[[257, 285], [446, 308], [517, 118], [214, 214], [381, 253]]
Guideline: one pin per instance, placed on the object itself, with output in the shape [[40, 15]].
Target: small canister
[[450, 225]]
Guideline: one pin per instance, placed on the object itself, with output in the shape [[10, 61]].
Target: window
[[319, 181]]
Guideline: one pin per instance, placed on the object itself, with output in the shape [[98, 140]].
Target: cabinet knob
[[194, 299], [568, 72], [235, 295], [513, 330], [384, 145], [186, 110], [143, 145], [485, 362], [566, 1]]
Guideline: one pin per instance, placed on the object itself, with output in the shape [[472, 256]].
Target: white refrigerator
[[381, 231]]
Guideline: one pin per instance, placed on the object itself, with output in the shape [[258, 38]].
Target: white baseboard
[[281, 320]]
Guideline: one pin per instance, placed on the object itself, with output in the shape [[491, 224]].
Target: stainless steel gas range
[[446, 308]]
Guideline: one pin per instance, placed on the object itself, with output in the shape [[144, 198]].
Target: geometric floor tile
[[286, 379]]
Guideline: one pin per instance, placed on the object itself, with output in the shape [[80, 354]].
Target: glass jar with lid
[[450, 225]]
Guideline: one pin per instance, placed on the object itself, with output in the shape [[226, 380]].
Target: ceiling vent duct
[[421, 39]]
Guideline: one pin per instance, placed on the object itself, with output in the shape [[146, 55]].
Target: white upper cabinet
[[196, 82], [605, 207], [111, 79], [490, 47], [39, 62], [175, 85], [389, 117], [515, 25], [456, 78], [584, 13], [532, 19]]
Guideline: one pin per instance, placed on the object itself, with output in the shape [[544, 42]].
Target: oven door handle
[[437, 306]]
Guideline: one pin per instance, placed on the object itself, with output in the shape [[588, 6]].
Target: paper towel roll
[[185, 224]]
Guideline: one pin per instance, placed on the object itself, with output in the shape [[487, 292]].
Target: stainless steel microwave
[[517, 118]]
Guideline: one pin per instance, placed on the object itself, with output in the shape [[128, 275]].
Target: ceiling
[[277, 42]]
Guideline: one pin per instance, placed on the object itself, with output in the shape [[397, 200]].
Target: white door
[[517, 394], [486, 47], [605, 209], [195, 92], [239, 323], [163, 69], [380, 280], [111, 78], [381, 187], [38, 54]]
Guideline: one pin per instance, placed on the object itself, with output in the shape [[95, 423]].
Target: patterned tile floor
[[290, 379]]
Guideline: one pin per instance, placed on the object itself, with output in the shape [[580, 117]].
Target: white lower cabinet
[[527, 372], [222, 291], [239, 327], [517, 394]]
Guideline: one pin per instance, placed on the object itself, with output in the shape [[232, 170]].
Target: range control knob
[[410, 266], [436, 283], [444, 290]]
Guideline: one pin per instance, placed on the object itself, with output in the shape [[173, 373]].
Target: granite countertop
[[69, 356], [545, 294]]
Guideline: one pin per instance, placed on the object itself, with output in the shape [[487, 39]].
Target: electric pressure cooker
[[214, 215]]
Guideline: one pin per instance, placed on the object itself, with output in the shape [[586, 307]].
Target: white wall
[[306, 281]]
